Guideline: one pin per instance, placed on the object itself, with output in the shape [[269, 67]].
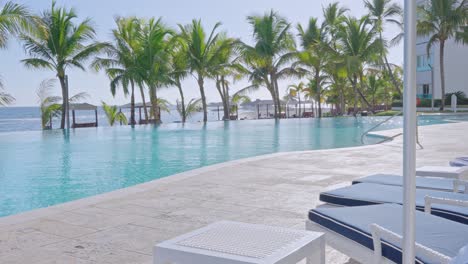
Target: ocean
[[29, 118]]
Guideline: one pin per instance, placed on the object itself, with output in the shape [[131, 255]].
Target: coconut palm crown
[[441, 20], [62, 44]]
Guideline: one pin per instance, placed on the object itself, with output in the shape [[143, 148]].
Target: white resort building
[[428, 68]]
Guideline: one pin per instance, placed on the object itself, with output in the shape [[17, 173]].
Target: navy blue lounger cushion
[[441, 184], [458, 163], [444, 236], [371, 193]]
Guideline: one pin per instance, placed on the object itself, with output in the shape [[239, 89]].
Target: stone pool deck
[[279, 189]]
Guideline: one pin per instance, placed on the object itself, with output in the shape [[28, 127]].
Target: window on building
[[420, 61], [426, 89], [423, 62]]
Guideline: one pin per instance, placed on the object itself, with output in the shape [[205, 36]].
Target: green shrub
[[423, 103], [397, 103], [461, 98]]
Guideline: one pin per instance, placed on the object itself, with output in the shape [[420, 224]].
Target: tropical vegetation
[[14, 18], [187, 111], [338, 60], [5, 98], [59, 45], [114, 115], [49, 104]]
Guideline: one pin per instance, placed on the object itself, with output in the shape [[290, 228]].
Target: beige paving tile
[[133, 238], [175, 228], [60, 228], [25, 239], [95, 221], [97, 252]]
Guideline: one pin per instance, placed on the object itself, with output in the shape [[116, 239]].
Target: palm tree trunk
[[278, 100], [154, 105], [203, 97], [319, 99], [299, 97], [226, 106], [442, 74], [182, 101], [389, 69], [273, 98], [132, 105], [392, 76], [145, 109], [64, 101], [342, 102], [222, 94], [354, 83], [361, 82]]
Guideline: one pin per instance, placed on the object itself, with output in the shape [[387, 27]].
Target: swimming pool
[[39, 169]]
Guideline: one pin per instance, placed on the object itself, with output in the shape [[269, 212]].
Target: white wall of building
[[456, 67]]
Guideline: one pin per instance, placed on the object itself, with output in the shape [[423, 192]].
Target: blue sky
[[22, 83]]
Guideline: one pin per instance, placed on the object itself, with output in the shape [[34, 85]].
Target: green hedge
[[397, 103], [387, 113], [461, 100]]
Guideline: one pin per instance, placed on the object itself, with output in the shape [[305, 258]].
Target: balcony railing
[[424, 96]]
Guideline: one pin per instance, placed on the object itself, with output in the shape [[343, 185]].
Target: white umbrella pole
[[409, 133]]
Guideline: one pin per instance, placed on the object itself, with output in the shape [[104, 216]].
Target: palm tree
[[193, 106], [154, 60], [315, 55], [114, 115], [268, 60], [376, 85], [334, 17], [228, 67], [235, 100], [50, 105], [295, 91], [441, 20], [359, 46], [178, 71], [202, 53], [62, 44], [121, 64], [382, 12]]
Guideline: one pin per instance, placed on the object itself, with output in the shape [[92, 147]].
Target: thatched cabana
[[83, 107], [140, 106]]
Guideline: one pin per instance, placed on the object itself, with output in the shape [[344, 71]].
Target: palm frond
[[79, 97]]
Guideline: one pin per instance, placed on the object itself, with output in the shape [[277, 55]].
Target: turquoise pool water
[[39, 169]]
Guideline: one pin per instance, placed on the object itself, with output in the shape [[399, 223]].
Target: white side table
[[239, 243], [460, 173]]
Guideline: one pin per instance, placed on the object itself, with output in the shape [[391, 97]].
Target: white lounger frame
[[458, 183], [347, 246], [364, 255]]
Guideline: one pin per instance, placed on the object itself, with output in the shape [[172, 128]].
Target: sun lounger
[[371, 193], [429, 183], [459, 162], [444, 172], [357, 231]]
